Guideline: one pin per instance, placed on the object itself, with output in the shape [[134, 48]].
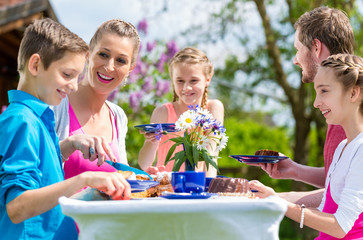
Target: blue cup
[[207, 182], [188, 182]]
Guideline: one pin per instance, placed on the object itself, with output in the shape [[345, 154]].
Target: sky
[[84, 16]]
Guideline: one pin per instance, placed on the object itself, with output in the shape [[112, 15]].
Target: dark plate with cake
[[257, 158], [261, 156]]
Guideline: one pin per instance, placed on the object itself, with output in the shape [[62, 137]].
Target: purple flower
[[172, 49], [150, 46], [166, 87], [135, 99], [162, 87], [142, 26], [160, 65], [218, 127], [144, 67], [159, 132], [112, 95], [133, 76], [139, 71], [148, 84], [159, 87], [191, 107], [204, 122]]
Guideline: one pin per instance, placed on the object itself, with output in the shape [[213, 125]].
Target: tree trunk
[[297, 100]]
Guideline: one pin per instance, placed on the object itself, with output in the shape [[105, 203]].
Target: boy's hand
[[113, 184]]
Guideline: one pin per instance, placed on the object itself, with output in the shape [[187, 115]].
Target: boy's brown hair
[[330, 26], [49, 39]]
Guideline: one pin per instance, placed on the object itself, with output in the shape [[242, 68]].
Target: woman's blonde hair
[[192, 55], [348, 69]]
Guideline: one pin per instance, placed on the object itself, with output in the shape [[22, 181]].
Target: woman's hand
[[113, 184], [92, 147], [262, 190]]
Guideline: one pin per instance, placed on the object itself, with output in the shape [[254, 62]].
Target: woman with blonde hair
[[89, 126]]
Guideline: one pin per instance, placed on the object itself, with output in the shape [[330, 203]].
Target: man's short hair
[[330, 26]]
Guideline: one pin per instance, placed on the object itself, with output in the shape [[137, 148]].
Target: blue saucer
[[203, 195]]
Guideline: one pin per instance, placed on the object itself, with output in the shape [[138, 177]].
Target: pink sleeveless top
[[76, 164], [331, 207], [165, 146]]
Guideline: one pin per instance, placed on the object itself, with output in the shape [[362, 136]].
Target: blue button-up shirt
[[29, 159]]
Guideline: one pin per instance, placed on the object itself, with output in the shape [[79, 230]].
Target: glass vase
[[188, 165]]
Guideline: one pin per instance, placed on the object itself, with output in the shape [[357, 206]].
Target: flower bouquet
[[200, 131]]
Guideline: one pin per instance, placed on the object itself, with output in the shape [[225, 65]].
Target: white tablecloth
[[221, 218]]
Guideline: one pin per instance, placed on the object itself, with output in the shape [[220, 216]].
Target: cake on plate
[[266, 152]]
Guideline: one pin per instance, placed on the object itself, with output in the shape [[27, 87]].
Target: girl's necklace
[[336, 163]]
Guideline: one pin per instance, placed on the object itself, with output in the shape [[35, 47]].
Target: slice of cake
[[266, 152], [164, 178]]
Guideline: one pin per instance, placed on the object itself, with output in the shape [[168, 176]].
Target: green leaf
[[179, 160], [188, 150], [208, 160], [178, 140], [180, 155], [195, 154], [170, 152]]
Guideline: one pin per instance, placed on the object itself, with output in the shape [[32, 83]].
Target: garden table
[[158, 218]]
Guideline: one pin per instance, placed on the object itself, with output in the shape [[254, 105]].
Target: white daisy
[[205, 113], [222, 142], [202, 142], [186, 121]]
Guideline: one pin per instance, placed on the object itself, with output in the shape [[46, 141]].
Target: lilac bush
[[148, 84]]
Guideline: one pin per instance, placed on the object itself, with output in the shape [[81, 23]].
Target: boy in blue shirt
[[31, 176]]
